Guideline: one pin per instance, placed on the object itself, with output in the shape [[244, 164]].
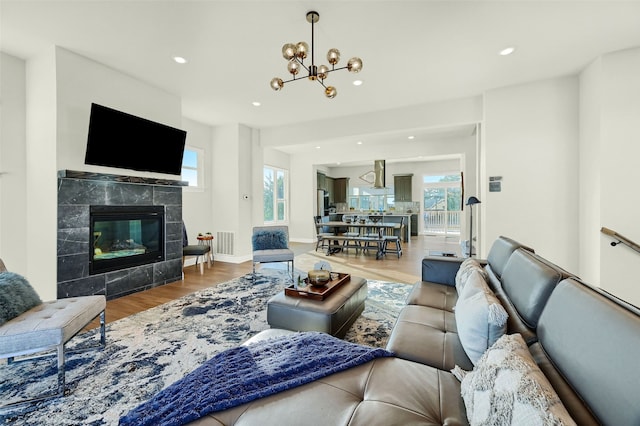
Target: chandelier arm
[[292, 79], [337, 69], [303, 65]]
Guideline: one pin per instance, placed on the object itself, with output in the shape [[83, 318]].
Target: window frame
[[276, 199]]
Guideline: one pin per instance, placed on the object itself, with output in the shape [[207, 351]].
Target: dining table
[[362, 227]]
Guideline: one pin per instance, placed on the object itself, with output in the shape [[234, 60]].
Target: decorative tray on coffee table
[[308, 291]]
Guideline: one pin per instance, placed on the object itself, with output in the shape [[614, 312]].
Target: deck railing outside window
[[441, 222]]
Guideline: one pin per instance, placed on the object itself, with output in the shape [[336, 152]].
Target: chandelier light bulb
[[323, 71], [294, 67], [354, 65], [333, 56], [277, 83], [330, 92], [302, 49], [289, 51]]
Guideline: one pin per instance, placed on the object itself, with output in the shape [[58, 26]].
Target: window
[[370, 199], [275, 190], [192, 167], [442, 204]]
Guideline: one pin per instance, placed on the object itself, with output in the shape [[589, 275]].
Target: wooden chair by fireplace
[[198, 250]]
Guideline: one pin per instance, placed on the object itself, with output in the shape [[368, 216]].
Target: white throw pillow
[[506, 387], [474, 283], [466, 268], [480, 318]]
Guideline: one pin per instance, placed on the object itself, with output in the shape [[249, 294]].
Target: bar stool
[[397, 246]]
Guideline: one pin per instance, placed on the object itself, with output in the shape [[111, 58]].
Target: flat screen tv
[[121, 140]]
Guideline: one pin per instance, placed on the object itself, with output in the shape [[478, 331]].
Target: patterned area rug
[[148, 351]]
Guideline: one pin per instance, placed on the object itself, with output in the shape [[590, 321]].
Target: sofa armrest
[[440, 269]]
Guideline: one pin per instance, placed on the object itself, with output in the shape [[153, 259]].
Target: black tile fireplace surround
[[77, 192]]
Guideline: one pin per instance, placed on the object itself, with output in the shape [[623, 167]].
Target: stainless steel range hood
[[378, 169]]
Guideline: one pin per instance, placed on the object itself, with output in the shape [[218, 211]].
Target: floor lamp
[[470, 202]]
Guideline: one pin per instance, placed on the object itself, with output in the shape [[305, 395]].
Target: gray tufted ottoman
[[334, 315]]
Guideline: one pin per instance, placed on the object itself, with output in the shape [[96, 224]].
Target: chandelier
[[295, 54]]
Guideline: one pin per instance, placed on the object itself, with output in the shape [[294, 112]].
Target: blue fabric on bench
[[16, 296], [245, 373]]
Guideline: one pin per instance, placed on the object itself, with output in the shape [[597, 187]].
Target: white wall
[[614, 83], [303, 179], [530, 138], [234, 166], [81, 81], [197, 204], [41, 182], [431, 115], [590, 190], [13, 173]]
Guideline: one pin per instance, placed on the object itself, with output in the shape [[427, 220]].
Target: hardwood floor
[[405, 269]]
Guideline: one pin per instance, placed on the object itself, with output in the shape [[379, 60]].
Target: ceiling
[[414, 52]]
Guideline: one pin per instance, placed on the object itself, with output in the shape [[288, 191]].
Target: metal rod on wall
[[621, 239]]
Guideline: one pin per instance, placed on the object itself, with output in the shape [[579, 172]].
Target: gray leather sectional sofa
[[585, 342]]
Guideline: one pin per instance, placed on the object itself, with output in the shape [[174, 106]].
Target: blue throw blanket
[[245, 373]]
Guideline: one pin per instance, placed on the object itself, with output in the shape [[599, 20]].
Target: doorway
[[442, 205]]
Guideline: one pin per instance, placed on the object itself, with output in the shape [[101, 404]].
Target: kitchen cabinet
[[402, 187], [340, 189], [329, 181], [322, 181]]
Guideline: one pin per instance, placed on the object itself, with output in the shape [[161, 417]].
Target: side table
[[207, 240]]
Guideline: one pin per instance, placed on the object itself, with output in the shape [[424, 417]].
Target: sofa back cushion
[[16, 296], [500, 252], [589, 347], [527, 283]]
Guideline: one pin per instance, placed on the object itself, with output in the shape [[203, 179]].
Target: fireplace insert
[[125, 236]]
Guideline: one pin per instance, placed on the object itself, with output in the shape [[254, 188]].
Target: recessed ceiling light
[[256, 103], [357, 82], [411, 137], [507, 51], [359, 142], [180, 59], [317, 147]]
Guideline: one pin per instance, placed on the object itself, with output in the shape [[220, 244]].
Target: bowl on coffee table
[[319, 277]]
